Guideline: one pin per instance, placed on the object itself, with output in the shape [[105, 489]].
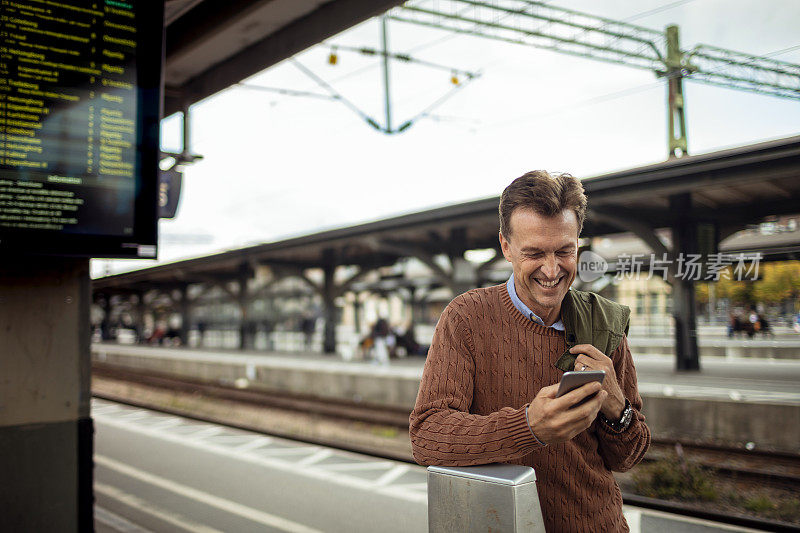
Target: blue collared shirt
[[522, 308]]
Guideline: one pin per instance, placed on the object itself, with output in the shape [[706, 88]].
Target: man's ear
[[505, 247]]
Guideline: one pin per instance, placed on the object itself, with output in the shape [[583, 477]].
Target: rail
[[788, 465]]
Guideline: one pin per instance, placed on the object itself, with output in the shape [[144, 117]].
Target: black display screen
[[80, 93]]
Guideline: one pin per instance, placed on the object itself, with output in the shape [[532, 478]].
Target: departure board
[[79, 109]]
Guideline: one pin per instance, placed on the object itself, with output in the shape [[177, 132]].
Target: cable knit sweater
[[486, 363]]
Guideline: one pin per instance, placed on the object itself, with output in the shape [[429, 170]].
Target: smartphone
[[573, 380]]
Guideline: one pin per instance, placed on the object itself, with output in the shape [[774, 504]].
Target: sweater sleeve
[[623, 450], [443, 431]]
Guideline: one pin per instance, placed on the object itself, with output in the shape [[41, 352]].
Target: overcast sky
[[277, 166]]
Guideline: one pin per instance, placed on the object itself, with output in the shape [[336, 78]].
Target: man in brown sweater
[[489, 384]]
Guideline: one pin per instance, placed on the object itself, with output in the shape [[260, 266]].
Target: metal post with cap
[[495, 497]]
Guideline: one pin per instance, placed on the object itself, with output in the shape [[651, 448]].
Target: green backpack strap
[[566, 363], [576, 314], [591, 319]]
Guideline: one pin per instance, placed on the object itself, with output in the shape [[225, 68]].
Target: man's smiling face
[[543, 252]]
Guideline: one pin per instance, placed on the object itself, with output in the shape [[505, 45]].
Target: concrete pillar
[[686, 352], [412, 302], [329, 309], [684, 241], [357, 312], [105, 323], [464, 275], [45, 425], [245, 331], [141, 310], [712, 302], [186, 314]]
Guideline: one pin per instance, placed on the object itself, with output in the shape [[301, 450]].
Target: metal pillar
[[386, 88], [329, 309], [245, 337], [186, 145], [684, 240], [46, 432], [676, 119], [186, 314]]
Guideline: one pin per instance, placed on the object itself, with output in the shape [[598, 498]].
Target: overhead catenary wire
[[287, 92], [426, 112], [325, 85], [578, 105], [418, 48], [469, 76], [585, 35], [714, 72], [783, 51], [655, 10], [367, 68], [407, 58], [608, 97]]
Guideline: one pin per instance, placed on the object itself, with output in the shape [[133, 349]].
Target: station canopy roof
[[733, 187], [213, 44]]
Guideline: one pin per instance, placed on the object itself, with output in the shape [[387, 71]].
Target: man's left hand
[[590, 358]]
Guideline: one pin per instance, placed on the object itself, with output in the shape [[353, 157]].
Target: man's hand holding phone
[[590, 358], [558, 419]]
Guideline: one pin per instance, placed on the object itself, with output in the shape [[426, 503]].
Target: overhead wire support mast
[[533, 23], [386, 55], [386, 87]]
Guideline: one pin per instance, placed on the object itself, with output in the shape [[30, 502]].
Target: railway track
[[359, 412], [777, 468], [755, 466]]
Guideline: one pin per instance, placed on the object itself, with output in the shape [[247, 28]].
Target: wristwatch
[[624, 421]]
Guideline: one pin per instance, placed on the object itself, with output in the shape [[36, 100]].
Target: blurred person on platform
[[764, 326], [489, 384], [407, 341], [308, 325], [383, 340], [733, 323]]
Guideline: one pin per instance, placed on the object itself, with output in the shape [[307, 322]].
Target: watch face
[[626, 416]]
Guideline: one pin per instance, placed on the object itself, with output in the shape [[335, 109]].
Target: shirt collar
[[522, 308]]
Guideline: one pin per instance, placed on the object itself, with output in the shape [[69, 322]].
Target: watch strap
[[618, 426]]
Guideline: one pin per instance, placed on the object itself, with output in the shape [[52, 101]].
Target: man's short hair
[[545, 194]]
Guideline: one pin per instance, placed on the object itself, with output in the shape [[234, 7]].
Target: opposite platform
[[731, 401]]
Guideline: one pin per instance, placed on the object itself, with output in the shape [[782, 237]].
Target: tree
[[779, 281]]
